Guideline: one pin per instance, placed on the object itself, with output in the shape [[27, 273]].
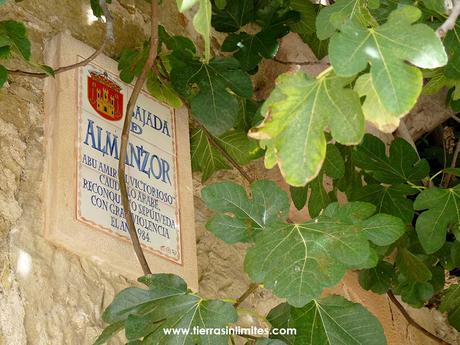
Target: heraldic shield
[[105, 96]]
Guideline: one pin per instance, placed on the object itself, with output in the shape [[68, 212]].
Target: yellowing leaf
[[202, 24], [296, 115], [373, 108], [201, 21]]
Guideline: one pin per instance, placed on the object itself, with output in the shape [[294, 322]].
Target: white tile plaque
[[85, 111]]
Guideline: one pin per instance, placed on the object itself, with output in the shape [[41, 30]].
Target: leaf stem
[[125, 137], [109, 38], [226, 155], [412, 322], [435, 175], [325, 72]]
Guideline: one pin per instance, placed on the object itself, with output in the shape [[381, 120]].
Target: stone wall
[[50, 296]]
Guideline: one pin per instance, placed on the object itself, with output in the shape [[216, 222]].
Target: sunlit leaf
[[296, 114], [387, 49], [331, 320], [297, 261]]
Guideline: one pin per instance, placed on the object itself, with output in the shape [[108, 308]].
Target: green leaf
[[318, 47], [269, 342], [435, 5], [48, 70], [450, 304], [388, 199], [412, 267], [297, 261], [299, 196], [186, 312], [455, 254], [202, 24], [176, 43], [377, 279], [250, 49], [333, 17], [269, 204], [442, 210], [334, 165], [205, 157], [249, 115], [96, 7], [220, 4], [133, 300], [414, 293], [162, 91], [453, 171], [352, 179], [207, 86], [236, 14], [166, 303], [239, 146], [319, 198], [131, 62], [383, 229], [14, 35], [306, 25], [329, 321], [452, 42], [3, 75], [402, 166], [109, 332], [296, 114], [373, 108], [387, 48]]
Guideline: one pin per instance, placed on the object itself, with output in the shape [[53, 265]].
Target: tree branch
[[305, 63], [448, 177], [125, 137], [412, 322], [249, 291], [109, 38], [449, 23]]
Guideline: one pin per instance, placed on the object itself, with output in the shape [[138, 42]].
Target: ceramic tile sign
[[150, 161], [85, 111]]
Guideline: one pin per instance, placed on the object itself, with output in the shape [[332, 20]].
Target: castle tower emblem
[[105, 96]]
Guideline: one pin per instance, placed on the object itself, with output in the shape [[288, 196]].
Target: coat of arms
[[105, 96]]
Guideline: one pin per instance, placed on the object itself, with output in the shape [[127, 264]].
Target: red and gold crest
[[105, 96]]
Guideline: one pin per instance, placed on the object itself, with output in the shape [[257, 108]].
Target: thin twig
[[449, 23], [109, 38], [448, 177], [412, 322], [249, 291], [300, 63], [224, 153], [125, 137]]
